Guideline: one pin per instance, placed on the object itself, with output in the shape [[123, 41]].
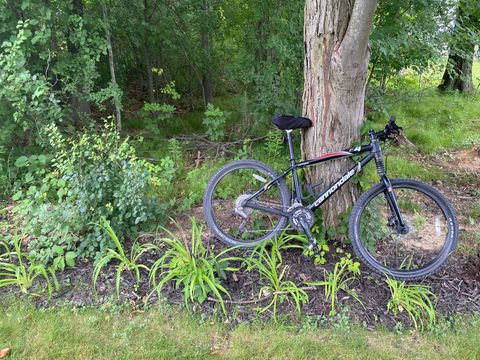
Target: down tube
[[332, 189]]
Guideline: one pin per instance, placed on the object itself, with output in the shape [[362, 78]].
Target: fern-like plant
[[15, 269], [191, 266], [126, 262], [414, 299], [268, 262], [344, 273]]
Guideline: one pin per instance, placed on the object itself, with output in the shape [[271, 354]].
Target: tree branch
[[355, 41]]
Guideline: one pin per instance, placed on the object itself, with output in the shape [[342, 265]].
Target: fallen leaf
[[4, 352]]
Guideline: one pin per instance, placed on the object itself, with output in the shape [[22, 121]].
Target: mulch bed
[[457, 286]]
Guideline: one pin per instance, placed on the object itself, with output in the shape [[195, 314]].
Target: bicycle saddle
[[289, 122]]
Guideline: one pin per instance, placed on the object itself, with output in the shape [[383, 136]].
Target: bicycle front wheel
[[414, 251], [226, 205]]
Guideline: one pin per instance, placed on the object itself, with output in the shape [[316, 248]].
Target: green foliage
[[196, 181], [214, 122], [16, 269], [404, 36], [268, 263], [433, 123], [474, 214], [190, 265], [265, 54], [344, 273], [245, 151], [273, 143], [28, 95], [91, 176], [158, 114], [125, 262], [414, 299], [63, 258]]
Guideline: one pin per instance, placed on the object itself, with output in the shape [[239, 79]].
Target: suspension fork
[[388, 192]]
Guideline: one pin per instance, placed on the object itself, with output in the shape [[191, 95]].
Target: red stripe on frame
[[338, 153]]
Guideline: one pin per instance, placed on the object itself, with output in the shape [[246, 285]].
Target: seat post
[[290, 146], [296, 182]]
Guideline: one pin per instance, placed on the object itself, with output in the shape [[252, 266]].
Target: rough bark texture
[[458, 73], [336, 60]]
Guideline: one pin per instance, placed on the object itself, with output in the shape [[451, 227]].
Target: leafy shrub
[[268, 262], [125, 263], [343, 274], [214, 122], [414, 299], [189, 264], [94, 175]]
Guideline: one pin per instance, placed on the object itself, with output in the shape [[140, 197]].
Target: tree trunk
[[207, 52], [336, 65], [118, 114], [458, 72], [146, 53]]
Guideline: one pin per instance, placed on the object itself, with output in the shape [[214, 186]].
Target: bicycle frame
[[374, 152]]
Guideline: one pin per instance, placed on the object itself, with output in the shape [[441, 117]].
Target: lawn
[[113, 332]]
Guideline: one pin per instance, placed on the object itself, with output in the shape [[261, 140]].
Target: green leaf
[[28, 177], [70, 258], [22, 161], [42, 159], [59, 263], [17, 196], [59, 250]]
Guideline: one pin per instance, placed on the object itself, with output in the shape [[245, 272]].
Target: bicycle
[[401, 228]]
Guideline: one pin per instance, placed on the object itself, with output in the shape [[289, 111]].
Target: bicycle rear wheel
[[226, 212], [421, 248]]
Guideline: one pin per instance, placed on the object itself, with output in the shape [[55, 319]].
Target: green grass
[[112, 333], [434, 120], [398, 166]]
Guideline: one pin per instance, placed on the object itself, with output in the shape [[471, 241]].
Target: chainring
[[298, 212]]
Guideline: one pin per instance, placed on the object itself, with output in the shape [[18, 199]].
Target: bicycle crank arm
[[313, 243]]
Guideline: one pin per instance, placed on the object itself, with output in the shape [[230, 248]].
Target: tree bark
[[116, 103], [336, 64], [458, 71], [207, 53]]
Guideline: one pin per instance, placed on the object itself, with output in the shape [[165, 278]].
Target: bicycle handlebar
[[390, 128]]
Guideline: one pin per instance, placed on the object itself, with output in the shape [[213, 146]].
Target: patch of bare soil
[[467, 160]]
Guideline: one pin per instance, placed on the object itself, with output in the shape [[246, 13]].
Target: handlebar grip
[[392, 120]]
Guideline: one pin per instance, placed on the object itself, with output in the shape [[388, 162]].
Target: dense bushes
[[93, 175]]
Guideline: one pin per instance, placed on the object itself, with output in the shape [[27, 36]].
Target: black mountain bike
[[402, 228]]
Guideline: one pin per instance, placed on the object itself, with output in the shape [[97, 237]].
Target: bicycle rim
[[236, 220], [419, 249]]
